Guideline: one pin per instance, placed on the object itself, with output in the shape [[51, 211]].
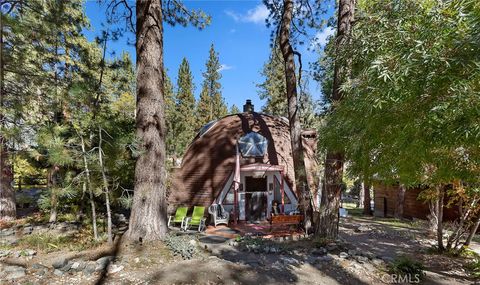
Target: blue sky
[[238, 33]]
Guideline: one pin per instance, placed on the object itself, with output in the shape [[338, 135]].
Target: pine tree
[[212, 105], [234, 109], [185, 109], [273, 89]]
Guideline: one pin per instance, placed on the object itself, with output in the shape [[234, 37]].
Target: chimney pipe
[[248, 107]]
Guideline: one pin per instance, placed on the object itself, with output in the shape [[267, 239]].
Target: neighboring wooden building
[[386, 197], [266, 175]]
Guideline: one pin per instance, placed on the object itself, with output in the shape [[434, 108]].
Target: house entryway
[[256, 198]]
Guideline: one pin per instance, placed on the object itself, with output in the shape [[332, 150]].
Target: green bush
[[405, 266], [474, 268], [181, 245]]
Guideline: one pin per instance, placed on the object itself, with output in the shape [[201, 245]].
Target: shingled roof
[[210, 158]]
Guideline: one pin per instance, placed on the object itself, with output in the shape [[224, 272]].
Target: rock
[[15, 275], [136, 260], [4, 253], [343, 254], [38, 266], [29, 252], [319, 251], [67, 267], [103, 262], [58, 272], [59, 263], [332, 246], [7, 232], [12, 268], [387, 259], [89, 269], [115, 268], [363, 229], [78, 266], [352, 252], [27, 230], [325, 258], [361, 259], [377, 261]]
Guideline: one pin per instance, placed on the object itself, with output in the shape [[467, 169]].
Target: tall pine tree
[[211, 105], [184, 127]]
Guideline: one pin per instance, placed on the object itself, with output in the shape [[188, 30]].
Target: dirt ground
[[218, 262]]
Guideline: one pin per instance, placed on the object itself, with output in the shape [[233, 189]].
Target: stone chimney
[[248, 107]]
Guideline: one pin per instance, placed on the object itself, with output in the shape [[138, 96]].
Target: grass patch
[[405, 266], [49, 243], [474, 268]]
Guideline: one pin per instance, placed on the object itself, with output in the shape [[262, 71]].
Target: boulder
[[59, 262], [58, 272], [14, 272], [332, 246], [352, 252], [361, 229], [319, 251], [103, 262], [343, 255], [89, 268]]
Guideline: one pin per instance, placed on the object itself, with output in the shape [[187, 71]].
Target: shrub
[[474, 268], [405, 266], [185, 246]]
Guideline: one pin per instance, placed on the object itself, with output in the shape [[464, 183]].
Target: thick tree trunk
[[400, 202], [329, 207], [367, 210], [148, 220], [294, 115], [8, 208]]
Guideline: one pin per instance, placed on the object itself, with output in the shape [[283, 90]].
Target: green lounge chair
[[180, 217], [196, 219]]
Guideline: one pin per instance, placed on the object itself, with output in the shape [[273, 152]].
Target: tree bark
[[52, 182], [148, 220], [8, 208], [330, 203], [473, 230], [439, 211], [88, 185], [400, 202], [361, 196], [367, 210], [294, 114], [106, 189]]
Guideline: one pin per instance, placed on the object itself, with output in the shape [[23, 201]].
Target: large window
[[253, 145], [277, 194]]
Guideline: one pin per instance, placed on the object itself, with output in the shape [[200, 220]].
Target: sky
[[238, 33]]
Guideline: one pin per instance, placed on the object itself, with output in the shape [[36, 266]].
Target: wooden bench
[[285, 220]]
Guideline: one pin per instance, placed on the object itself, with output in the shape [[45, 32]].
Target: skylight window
[[253, 145], [206, 128]]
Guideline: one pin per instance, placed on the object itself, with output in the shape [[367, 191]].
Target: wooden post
[[283, 192], [235, 205]]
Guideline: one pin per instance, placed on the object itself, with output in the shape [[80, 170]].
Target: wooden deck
[[262, 229]]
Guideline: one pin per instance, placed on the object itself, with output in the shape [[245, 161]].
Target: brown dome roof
[[210, 158]]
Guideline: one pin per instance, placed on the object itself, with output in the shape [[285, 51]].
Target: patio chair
[[196, 219], [180, 217], [220, 216]]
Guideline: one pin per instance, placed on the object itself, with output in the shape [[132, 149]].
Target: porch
[[260, 229]]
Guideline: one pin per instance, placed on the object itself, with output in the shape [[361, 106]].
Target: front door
[[255, 198]]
